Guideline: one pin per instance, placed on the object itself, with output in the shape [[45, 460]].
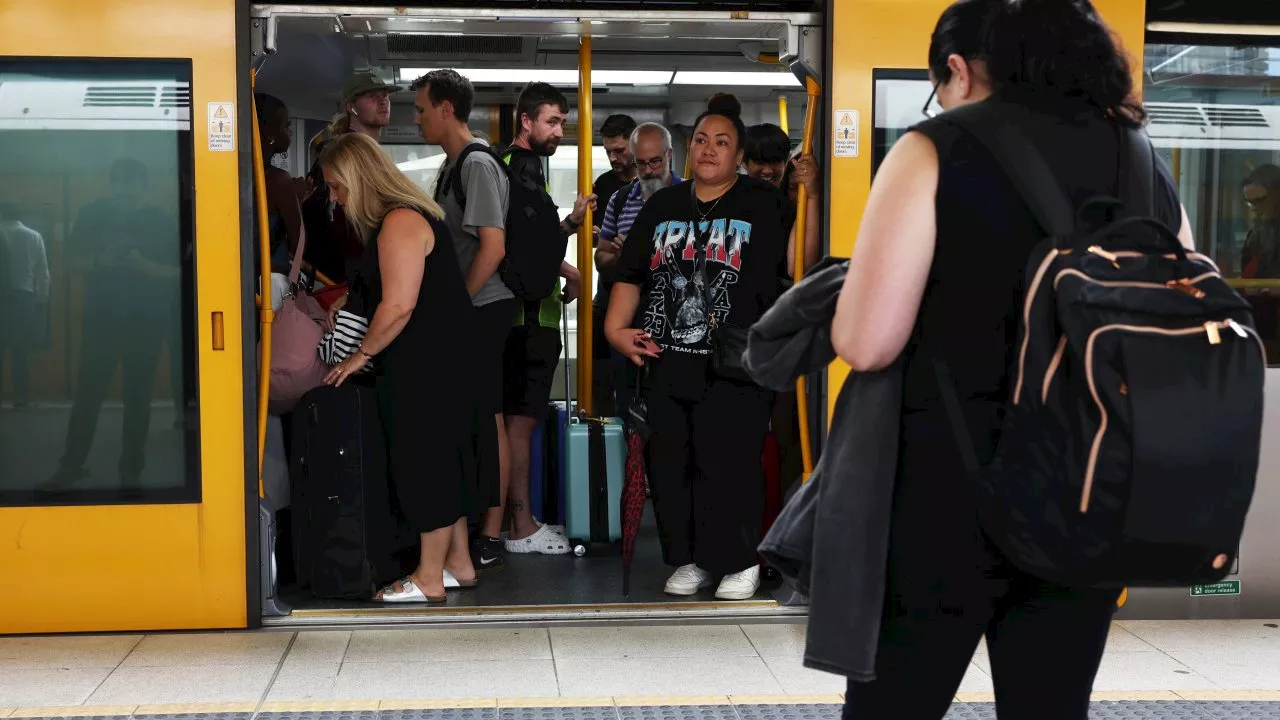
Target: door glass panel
[[899, 101], [97, 349], [1215, 118]]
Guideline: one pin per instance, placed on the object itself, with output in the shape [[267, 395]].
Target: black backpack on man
[[1130, 448], [534, 244]]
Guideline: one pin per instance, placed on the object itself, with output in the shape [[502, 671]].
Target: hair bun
[[724, 104]]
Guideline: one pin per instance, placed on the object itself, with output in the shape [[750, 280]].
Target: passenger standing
[[475, 214], [938, 271], [767, 151], [333, 245], [24, 298], [651, 147], [703, 258], [284, 214], [533, 347], [422, 332], [615, 137]]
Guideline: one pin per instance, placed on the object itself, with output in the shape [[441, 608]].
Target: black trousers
[[948, 585], [708, 485], [134, 345]]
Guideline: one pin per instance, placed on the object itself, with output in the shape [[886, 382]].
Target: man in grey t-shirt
[[477, 224]]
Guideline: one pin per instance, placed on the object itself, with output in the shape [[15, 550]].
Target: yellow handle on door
[[219, 339]]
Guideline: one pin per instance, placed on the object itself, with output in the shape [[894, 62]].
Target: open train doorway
[[651, 66]]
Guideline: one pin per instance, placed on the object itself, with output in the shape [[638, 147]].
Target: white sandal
[[408, 593], [546, 541]]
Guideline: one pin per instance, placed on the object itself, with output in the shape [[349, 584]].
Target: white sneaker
[[688, 580], [740, 586]]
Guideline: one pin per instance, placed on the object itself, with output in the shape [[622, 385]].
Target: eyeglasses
[[1255, 203], [927, 112], [651, 163]]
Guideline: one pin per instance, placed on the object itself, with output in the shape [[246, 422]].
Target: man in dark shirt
[[615, 137], [534, 345]]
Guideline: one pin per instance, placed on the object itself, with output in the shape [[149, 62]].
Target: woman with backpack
[[936, 280]]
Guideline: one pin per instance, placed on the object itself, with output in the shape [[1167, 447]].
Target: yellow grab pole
[[688, 160], [585, 251], [802, 216], [265, 311], [782, 115]]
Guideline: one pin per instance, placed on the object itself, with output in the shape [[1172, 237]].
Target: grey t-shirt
[[485, 187]]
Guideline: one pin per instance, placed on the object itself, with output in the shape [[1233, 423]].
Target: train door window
[[898, 103], [1214, 115], [97, 349]]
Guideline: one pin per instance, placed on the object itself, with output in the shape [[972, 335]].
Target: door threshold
[[542, 615]]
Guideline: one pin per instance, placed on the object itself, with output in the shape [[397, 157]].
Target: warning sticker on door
[[222, 127], [846, 133]]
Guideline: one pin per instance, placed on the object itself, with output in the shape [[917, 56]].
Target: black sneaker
[[488, 553]]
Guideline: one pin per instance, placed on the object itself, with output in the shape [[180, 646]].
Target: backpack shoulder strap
[[454, 180], [621, 195], [994, 125], [1137, 173]]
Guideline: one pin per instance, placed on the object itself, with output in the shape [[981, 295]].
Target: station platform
[[1158, 669]]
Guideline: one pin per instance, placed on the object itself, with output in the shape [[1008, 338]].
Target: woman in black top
[[422, 331], [708, 427], [938, 272]]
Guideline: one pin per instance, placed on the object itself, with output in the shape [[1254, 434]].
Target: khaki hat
[[364, 82]]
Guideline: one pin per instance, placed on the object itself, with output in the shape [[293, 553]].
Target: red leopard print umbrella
[[633, 497]]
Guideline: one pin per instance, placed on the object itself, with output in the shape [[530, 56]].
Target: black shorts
[[495, 321], [528, 369]]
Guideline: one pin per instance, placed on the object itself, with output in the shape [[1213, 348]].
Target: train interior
[[650, 67]]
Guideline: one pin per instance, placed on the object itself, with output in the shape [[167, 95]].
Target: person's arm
[[404, 243], [624, 299], [1184, 231], [807, 170], [609, 248], [878, 304], [40, 268], [282, 196], [572, 282], [486, 214]]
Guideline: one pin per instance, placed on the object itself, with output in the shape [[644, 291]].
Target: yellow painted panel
[[870, 34], [148, 567]]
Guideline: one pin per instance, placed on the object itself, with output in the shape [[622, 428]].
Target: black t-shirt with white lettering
[[746, 238]]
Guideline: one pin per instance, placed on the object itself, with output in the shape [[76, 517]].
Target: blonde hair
[[375, 186]]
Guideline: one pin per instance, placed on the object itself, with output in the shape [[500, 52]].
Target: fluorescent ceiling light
[[758, 79], [568, 78]]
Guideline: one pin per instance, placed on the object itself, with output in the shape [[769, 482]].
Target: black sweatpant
[[708, 485], [948, 585]]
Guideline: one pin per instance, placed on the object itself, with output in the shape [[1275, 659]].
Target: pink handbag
[[296, 333]]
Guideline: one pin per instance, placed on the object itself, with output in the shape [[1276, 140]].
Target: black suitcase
[[344, 528]]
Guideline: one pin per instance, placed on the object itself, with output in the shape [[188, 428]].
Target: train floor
[[1152, 669]]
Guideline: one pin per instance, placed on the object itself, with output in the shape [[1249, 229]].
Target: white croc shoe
[[688, 580], [740, 586], [546, 541]]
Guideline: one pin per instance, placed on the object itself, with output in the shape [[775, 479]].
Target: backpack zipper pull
[[1184, 285], [1097, 250], [1211, 329], [1236, 326]]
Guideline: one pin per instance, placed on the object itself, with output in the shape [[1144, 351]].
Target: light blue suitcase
[[593, 495]]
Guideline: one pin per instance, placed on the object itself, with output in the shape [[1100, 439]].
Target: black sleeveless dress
[[426, 394]]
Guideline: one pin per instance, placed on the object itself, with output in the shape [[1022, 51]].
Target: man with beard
[[615, 138], [533, 347], [650, 145], [333, 243]]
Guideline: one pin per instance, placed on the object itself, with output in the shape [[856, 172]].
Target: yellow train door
[[122, 393]]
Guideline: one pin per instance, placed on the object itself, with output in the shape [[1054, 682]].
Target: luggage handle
[[1161, 229]]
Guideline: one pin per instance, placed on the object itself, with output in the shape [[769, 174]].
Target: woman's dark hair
[[726, 106], [767, 143], [1039, 50]]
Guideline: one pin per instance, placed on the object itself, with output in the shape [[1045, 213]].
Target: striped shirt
[[617, 223]]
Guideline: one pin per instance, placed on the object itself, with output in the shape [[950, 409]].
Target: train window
[[898, 103], [1215, 118], [97, 318]]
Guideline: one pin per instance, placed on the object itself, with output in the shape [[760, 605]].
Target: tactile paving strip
[[687, 712], [790, 712], [1251, 710], [486, 713], [1108, 710], [325, 715], [569, 713], [202, 716]]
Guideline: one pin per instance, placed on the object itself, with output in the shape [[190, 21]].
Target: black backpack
[[535, 246], [1129, 451]]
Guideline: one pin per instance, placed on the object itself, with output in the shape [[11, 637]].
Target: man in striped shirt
[[651, 148]]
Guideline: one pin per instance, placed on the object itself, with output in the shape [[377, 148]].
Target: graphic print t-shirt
[[746, 242]]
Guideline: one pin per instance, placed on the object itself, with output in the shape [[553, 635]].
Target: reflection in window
[[97, 283], [899, 101], [1215, 118]]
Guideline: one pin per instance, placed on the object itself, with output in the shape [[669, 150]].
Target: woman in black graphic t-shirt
[[714, 248]]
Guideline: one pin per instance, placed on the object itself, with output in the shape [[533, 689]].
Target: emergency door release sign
[[847, 128], [222, 127]]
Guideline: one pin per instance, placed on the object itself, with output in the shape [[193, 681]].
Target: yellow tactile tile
[[4, 712], [320, 706], [1133, 696], [1230, 695], [455, 704], [188, 708], [71, 711], [555, 702], [976, 697], [787, 699], [670, 700]]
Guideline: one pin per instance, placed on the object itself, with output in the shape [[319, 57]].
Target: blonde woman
[[410, 285]]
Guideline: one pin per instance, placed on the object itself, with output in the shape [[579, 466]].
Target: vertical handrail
[[802, 217], [265, 311], [585, 235], [783, 122]]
